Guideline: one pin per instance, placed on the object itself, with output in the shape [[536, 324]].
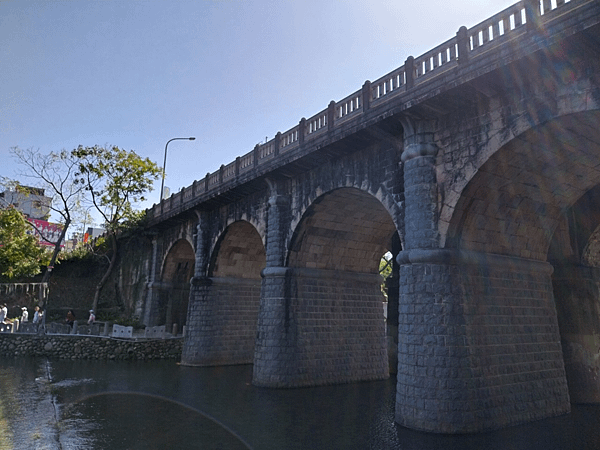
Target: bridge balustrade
[[443, 56], [316, 123], [348, 107], [289, 139], [246, 162], [188, 193], [387, 84], [228, 171], [496, 30], [493, 32], [266, 150], [213, 179]]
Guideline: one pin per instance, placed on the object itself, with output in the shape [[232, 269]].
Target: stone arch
[[335, 300], [239, 252], [516, 199], [345, 229], [575, 255], [377, 192], [531, 119], [177, 270], [535, 200], [226, 329]]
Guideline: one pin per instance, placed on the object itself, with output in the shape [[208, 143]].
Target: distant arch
[[178, 269]]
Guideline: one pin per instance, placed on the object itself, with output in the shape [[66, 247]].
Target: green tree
[[116, 180], [385, 270], [20, 254], [57, 174]]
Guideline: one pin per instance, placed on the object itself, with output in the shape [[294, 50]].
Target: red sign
[[50, 231]]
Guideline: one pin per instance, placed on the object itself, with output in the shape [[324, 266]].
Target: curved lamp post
[[162, 185]]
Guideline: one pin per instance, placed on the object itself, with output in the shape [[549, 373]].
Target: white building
[[29, 200]]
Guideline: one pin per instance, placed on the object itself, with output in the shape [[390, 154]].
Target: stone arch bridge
[[477, 165]]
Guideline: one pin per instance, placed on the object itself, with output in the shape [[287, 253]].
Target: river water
[[51, 404]]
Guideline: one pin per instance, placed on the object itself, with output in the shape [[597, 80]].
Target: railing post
[[366, 95], [330, 115], [462, 39], [301, 131], [533, 14], [256, 155], [409, 72], [277, 143]]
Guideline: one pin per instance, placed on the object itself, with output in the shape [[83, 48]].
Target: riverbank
[[89, 347]]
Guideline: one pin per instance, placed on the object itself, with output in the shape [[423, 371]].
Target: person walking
[[24, 314], [92, 317], [70, 318], [37, 315]]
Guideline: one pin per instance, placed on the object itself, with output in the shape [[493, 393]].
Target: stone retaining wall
[[89, 347]]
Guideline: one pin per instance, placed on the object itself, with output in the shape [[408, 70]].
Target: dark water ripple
[[146, 405]]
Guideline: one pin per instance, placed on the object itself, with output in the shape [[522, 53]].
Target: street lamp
[[162, 185]]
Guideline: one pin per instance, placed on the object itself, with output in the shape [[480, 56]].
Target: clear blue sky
[[136, 73]]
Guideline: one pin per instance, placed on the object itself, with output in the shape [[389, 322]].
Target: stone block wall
[[333, 331], [479, 346], [222, 317], [576, 289], [88, 347], [514, 340]]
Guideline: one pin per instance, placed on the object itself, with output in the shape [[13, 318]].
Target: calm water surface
[[161, 405]]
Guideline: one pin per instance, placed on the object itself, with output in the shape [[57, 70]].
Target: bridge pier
[[224, 315], [319, 327], [315, 326], [479, 344], [275, 362], [580, 329], [150, 313]]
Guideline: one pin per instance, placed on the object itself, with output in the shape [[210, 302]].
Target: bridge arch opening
[[575, 255], [230, 317], [335, 289], [177, 271], [238, 253], [527, 222]]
